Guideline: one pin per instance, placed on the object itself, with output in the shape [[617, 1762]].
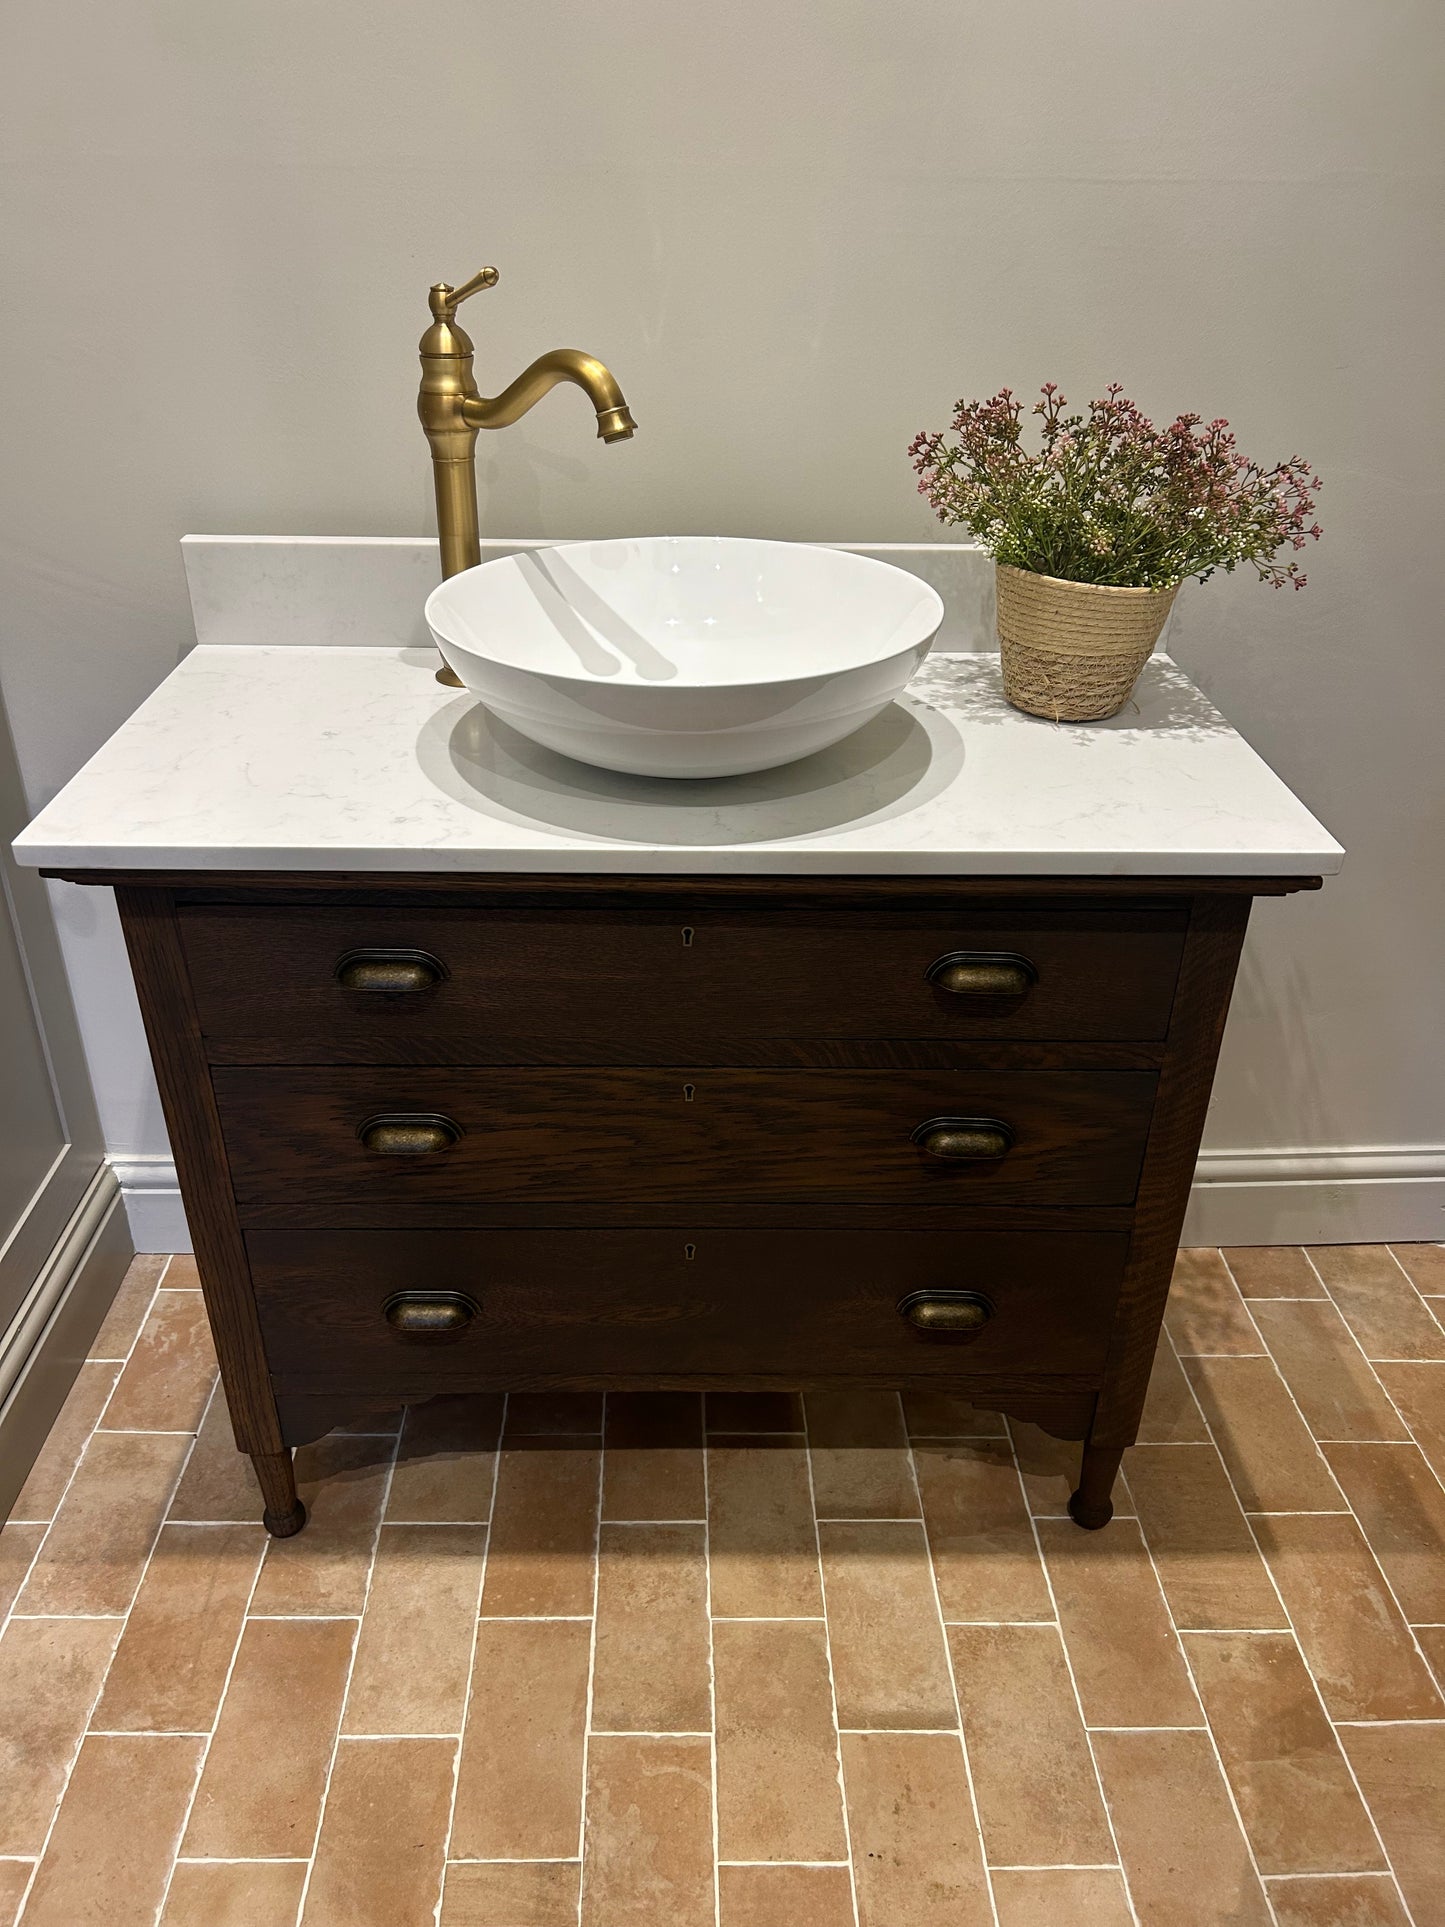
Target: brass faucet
[[452, 411]]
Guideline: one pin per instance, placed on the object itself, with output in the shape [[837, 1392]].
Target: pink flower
[[1111, 498]]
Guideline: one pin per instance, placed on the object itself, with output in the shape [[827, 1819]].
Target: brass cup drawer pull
[[946, 1314], [393, 973], [964, 1139], [982, 973], [429, 1314], [408, 1134]]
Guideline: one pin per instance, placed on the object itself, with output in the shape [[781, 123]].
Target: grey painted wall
[[797, 233]]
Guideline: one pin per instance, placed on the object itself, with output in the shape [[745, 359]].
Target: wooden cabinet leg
[[284, 1514], [1092, 1505]]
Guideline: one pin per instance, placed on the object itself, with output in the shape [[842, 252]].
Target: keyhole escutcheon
[[688, 1092], [687, 936]]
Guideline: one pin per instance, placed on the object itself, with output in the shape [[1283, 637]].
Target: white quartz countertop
[[355, 758]]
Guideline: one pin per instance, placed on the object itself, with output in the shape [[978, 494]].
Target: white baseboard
[[152, 1198], [43, 1347], [1338, 1194], [1335, 1194]]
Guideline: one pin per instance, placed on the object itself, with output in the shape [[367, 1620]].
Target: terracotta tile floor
[[843, 1664]]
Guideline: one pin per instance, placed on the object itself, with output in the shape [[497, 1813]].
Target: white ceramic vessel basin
[[685, 655]]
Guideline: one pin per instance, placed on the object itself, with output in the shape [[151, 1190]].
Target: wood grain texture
[[798, 1016], [805, 1302], [662, 1046], [471, 1214], [198, 1145], [1206, 980], [267, 989], [627, 1134]]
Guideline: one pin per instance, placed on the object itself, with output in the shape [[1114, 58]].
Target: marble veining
[[297, 757], [325, 590]]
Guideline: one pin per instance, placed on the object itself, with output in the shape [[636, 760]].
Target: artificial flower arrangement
[[1093, 534]]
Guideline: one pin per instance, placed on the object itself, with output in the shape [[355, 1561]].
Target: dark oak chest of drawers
[[444, 1134]]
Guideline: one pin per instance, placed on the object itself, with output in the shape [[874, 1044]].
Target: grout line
[[1295, 1638], [265, 1619], [1435, 1720], [836, 1519], [828, 1655], [69, 1765], [1166, 1337], [472, 1652], [65, 1488], [1232, 1632], [94, 1616], [771, 1619], [647, 1522], [377, 1739], [1357, 1873], [383, 1521], [350, 1671], [100, 1424], [952, 1680], [1068, 1658], [1323, 1512], [1184, 1726], [205, 1750], [1430, 1309], [1263, 1351], [746, 1439], [147, 1732], [532, 1619], [1061, 1866], [601, 1450], [501, 1860], [711, 1671], [1400, 1445], [1384, 1390], [1369, 1544], [210, 1525], [150, 1431], [1272, 1298], [422, 1525], [238, 1860], [1001, 1622], [1321, 1442]]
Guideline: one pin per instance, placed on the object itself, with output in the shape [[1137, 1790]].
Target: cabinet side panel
[[173, 1031], [1196, 1028]]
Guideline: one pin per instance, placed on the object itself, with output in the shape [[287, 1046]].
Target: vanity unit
[[486, 1071]]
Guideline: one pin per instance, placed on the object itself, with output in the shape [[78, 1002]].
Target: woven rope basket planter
[[1072, 651]]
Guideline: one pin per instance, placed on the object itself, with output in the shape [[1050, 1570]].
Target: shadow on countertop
[[907, 755]]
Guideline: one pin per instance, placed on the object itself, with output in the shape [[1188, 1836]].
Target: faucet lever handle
[[445, 299]]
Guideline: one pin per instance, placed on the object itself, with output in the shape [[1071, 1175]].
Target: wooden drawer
[[674, 1302], [643, 1136], [528, 986]]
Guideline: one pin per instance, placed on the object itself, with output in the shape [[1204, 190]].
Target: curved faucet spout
[[452, 411], [614, 421]]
